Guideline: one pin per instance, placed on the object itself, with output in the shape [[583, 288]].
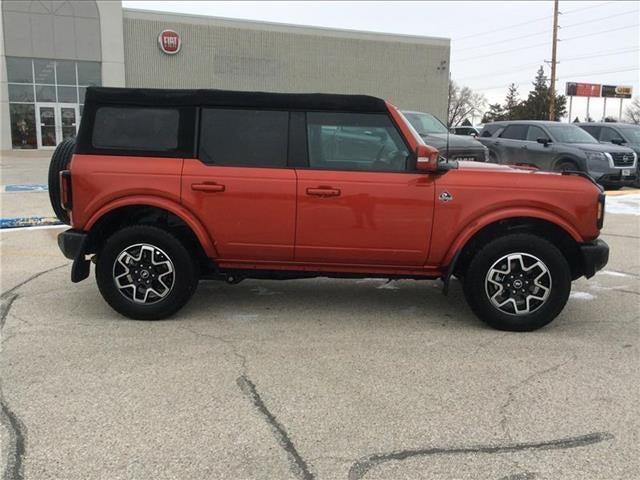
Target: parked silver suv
[[623, 134], [555, 146]]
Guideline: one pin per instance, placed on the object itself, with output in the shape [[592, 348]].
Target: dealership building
[[51, 51]]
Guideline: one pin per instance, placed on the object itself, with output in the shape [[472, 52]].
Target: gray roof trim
[[130, 13]]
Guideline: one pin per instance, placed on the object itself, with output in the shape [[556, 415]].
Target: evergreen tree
[[536, 106], [494, 114], [511, 102]]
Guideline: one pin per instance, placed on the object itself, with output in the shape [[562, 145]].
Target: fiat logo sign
[[169, 42]]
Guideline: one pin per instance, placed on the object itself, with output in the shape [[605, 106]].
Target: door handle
[[207, 187], [323, 192]]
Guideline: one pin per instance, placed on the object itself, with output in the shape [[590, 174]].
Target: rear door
[[240, 186], [359, 203]]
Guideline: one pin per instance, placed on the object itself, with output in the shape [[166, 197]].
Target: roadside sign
[[616, 91], [583, 89]]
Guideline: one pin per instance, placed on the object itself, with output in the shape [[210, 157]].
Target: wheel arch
[[144, 210], [567, 157], [559, 233]]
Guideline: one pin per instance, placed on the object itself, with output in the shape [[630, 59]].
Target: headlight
[[597, 156]]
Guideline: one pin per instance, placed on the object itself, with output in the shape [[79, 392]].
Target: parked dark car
[[623, 134], [555, 146], [467, 130], [435, 133]]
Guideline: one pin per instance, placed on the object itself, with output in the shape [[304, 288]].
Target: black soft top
[[229, 98]]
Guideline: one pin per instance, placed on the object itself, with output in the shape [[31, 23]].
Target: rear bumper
[[595, 256], [73, 244]]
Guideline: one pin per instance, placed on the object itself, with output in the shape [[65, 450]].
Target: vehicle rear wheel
[[518, 282], [59, 162], [145, 273], [566, 166]]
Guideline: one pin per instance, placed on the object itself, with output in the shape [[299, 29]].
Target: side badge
[[446, 197]]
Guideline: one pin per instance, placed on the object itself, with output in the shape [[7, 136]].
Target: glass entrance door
[[55, 122], [46, 125], [68, 121]]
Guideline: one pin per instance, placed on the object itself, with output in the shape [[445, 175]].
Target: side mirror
[[617, 141], [544, 141], [427, 158]]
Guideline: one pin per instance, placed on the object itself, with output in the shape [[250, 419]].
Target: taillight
[[65, 189], [600, 217]]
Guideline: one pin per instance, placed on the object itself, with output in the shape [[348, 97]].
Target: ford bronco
[[163, 188]]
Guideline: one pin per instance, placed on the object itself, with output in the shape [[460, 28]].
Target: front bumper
[[616, 179], [595, 256], [73, 244]]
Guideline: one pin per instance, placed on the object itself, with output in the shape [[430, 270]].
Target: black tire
[[59, 162], [184, 279], [493, 158], [566, 166], [478, 289]]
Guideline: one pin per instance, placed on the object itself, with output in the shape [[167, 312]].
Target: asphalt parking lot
[[316, 379]]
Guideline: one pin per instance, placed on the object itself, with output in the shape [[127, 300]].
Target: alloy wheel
[[518, 284], [143, 273]]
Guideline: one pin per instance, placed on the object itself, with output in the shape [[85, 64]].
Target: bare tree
[[463, 103], [632, 113]]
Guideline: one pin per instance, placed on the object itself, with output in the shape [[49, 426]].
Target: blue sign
[[27, 187]]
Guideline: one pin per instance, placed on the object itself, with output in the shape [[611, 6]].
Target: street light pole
[[552, 88]]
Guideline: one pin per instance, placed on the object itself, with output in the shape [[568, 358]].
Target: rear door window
[[239, 137], [136, 128], [355, 141], [515, 132]]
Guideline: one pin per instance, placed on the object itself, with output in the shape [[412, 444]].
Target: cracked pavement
[[315, 379]]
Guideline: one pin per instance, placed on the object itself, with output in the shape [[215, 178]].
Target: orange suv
[[163, 188]]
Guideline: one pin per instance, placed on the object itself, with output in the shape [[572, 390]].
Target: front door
[[357, 203], [241, 187], [55, 122]]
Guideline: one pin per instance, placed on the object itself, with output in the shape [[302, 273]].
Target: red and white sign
[[583, 89], [169, 42]]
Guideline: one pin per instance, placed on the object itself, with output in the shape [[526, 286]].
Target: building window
[[23, 125], [35, 80]]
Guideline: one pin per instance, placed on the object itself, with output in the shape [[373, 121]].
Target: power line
[[562, 60], [487, 32], [625, 27], [544, 32], [571, 25]]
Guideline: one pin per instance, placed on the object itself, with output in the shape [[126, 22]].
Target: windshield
[[570, 134], [632, 133], [425, 123]]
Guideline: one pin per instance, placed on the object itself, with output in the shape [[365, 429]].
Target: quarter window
[[514, 132], [130, 128], [353, 141], [236, 137]]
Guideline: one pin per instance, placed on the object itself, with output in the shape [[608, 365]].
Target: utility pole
[[552, 88]]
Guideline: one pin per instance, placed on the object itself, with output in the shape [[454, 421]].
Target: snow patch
[[623, 204], [582, 296]]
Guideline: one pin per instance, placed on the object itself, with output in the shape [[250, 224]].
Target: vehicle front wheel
[[145, 273], [566, 166], [518, 282]]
